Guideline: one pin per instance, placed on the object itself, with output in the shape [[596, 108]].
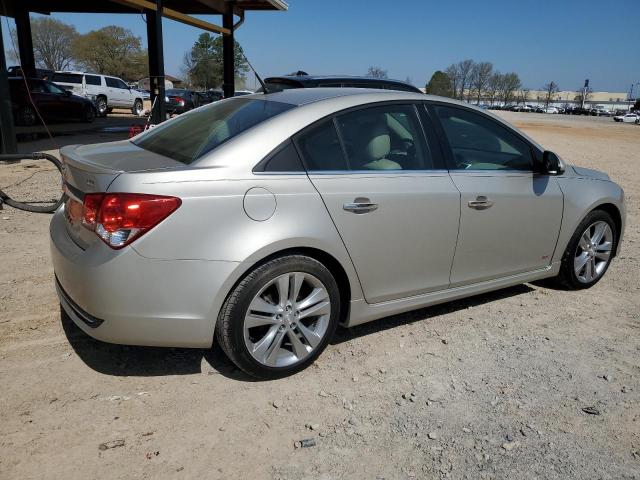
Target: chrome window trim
[[404, 173]]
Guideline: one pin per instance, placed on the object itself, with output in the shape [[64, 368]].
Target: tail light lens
[[120, 218]]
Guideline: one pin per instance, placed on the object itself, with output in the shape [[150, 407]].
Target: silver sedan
[[265, 221]]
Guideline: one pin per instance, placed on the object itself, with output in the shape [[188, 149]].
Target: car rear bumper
[[119, 296]]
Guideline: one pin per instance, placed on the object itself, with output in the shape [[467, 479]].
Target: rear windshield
[[193, 134], [67, 77]]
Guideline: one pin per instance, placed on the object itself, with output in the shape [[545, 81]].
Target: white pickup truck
[[105, 91]]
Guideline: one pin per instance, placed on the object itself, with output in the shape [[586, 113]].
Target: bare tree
[[377, 72], [479, 78], [464, 68], [550, 89], [52, 41], [509, 86], [523, 95], [454, 78], [583, 96], [493, 86]]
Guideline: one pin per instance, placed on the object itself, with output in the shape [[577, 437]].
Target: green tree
[[439, 84], [203, 63], [112, 50]]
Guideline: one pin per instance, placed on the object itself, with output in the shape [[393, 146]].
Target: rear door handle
[[360, 205], [480, 203]]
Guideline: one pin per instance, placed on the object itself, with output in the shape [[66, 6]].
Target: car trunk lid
[[92, 169]]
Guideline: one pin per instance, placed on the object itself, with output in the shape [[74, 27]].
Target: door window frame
[[535, 152], [431, 140]]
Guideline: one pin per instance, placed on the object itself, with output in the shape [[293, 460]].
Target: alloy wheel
[[287, 319], [101, 104], [593, 252]]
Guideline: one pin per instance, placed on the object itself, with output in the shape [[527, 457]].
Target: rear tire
[[280, 317], [138, 108], [597, 254], [101, 106]]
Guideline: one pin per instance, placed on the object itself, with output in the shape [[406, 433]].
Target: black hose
[[4, 198]]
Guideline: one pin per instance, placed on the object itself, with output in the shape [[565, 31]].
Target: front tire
[[589, 252], [26, 116], [88, 114], [280, 317]]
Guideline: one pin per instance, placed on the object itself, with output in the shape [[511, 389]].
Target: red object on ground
[[135, 130]]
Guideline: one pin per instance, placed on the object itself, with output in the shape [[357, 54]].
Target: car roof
[[304, 96], [302, 78]]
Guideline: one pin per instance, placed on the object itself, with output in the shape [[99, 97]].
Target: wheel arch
[[328, 260], [616, 215]]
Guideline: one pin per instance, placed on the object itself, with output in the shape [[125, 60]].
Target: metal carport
[[154, 10]]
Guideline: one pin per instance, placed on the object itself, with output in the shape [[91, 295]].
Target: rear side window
[[320, 147], [480, 143], [193, 134], [284, 159], [92, 80], [67, 77]]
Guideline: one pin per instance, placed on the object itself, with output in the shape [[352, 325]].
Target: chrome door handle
[[480, 203], [360, 205]]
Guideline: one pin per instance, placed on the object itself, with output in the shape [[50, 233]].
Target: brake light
[[180, 100], [120, 218]]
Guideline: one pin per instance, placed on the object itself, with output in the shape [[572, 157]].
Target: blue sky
[[565, 41]]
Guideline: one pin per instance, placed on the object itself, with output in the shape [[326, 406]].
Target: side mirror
[[67, 93], [551, 163]]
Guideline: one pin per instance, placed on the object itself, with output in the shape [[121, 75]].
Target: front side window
[[384, 138], [53, 88], [122, 85], [480, 143], [193, 134], [111, 82]]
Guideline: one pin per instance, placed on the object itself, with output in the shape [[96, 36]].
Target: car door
[[61, 103], [115, 95], [510, 215], [46, 102], [393, 203], [126, 96]]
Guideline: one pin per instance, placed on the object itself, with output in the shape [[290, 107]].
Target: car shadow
[[131, 361], [423, 314]]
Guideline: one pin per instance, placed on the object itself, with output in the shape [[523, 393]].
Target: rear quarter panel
[[212, 224]]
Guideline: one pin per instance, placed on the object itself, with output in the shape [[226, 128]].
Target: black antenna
[[262, 84]]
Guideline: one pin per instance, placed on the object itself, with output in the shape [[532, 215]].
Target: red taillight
[[119, 218], [90, 208]]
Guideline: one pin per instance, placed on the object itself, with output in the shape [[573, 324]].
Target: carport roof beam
[[175, 15]]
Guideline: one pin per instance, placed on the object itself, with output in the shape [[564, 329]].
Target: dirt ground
[[491, 387]]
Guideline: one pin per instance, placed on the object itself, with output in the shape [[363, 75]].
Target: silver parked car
[[267, 220]]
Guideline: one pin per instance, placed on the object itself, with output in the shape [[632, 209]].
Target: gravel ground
[[528, 381]]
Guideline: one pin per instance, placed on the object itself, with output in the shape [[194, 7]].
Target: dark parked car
[[180, 100], [52, 101], [275, 84], [210, 96]]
